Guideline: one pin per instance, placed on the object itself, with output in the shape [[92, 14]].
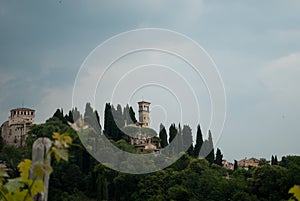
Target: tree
[[75, 114], [111, 130], [179, 138], [59, 113], [163, 136], [219, 157], [91, 118], [12, 157], [102, 188], [108, 120], [30, 184], [199, 142], [211, 155], [269, 183], [172, 132], [126, 116], [97, 117], [118, 116], [132, 115], [187, 141], [262, 162], [178, 192], [275, 160], [69, 117], [235, 165]]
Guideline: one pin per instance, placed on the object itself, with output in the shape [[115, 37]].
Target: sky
[[255, 45]]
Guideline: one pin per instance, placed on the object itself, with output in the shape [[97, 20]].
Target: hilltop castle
[[15, 129], [142, 133]]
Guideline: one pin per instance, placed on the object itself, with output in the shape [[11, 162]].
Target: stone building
[[144, 113], [248, 163], [15, 129], [227, 165], [142, 136]]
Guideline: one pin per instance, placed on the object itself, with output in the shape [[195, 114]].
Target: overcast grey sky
[[255, 44]]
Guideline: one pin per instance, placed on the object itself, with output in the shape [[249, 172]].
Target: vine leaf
[[295, 190], [24, 168]]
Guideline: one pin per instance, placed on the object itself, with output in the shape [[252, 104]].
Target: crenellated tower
[[144, 113]]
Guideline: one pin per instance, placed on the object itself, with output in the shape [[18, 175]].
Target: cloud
[[281, 78], [41, 53], [5, 78], [54, 98]]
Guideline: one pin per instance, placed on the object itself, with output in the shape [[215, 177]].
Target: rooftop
[[144, 102], [22, 109]]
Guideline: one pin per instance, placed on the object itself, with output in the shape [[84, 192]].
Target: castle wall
[[5, 131], [14, 131]]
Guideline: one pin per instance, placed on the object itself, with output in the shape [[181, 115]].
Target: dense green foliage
[[190, 178], [133, 130], [29, 185]]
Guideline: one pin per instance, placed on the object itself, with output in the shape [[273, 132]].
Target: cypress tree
[[126, 115], [172, 132], [219, 157], [275, 160], [88, 113], [235, 166], [69, 117], [111, 130], [199, 142], [211, 156], [179, 140], [60, 115], [75, 114], [187, 137], [108, 121], [102, 188], [132, 115], [272, 160], [97, 116], [92, 119], [163, 136], [118, 116]]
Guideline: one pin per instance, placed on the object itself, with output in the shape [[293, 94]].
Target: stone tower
[[14, 131], [144, 113]]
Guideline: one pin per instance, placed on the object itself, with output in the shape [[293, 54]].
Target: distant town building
[[142, 134], [248, 163], [143, 142], [15, 129], [244, 163], [227, 165]]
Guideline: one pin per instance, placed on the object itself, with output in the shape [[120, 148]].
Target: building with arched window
[[15, 129]]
